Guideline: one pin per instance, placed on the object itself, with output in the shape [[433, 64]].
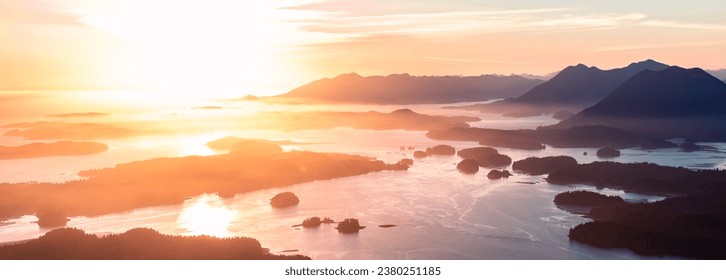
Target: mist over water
[[439, 212]]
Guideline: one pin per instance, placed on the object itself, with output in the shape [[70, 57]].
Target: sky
[[269, 47]]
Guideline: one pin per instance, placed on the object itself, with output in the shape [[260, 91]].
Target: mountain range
[[674, 102], [572, 89], [407, 89]]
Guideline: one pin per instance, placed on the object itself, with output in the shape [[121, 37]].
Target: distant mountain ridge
[[572, 89], [407, 89], [674, 102], [720, 74]]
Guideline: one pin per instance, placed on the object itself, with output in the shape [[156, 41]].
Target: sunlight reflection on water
[[206, 215], [439, 212]]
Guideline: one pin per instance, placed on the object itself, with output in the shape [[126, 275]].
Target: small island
[[486, 157], [545, 165], [60, 148], [441, 150], [285, 199], [468, 166], [498, 174], [312, 222], [349, 226], [608, 152], [586, 199]]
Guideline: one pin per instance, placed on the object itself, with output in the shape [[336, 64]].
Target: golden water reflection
[[206, 215]]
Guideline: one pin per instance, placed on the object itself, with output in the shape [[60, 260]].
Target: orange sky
[[269, 47]]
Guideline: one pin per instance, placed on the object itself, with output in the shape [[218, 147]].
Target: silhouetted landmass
[[597, 136], [208, 108], [406, 89], [173, 180], [51, 219], [284, 121], [73, 131], [608, 152], [572, 89], [137, 244], [406, 161], [60, 148], [672, 103], [224, 144], [79, 115], [327, 221], [486, 157], [692, 226], [398, 119], [349, 226], [545, 165], [498, 174], [284, 199], [641, 177], [528, 139], [689, 147], [387, 226], [514, 139], [312, 222], [440, 150], [586, 198], [419, 154], [468, 166]]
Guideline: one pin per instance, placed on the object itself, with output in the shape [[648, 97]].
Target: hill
[[407, 89]]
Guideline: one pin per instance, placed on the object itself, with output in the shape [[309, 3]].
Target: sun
[[206, 215], [211, 48]]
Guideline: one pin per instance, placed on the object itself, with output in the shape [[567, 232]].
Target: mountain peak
[[648, 64], [674, 91], [349, 75]]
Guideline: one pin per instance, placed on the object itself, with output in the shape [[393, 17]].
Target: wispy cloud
[[659, 46], [686, 25], [467, 21]]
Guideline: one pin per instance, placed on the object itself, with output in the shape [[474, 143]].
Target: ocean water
[[439, 212]]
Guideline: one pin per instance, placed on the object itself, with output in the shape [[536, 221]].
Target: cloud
[[686, 25], [659, 46], [464, 21]]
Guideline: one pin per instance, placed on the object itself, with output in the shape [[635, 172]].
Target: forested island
[[690, 223], [137, 244]]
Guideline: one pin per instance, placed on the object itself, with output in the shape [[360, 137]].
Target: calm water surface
[[439, 213]]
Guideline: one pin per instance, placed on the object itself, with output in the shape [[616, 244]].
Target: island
[[608, 152], [137, 244], [440, 150], [164, 181], [349, 226], [689, 223], [60, 148], [545, 165], [486, 157], [468, 166], [498, 174], [586, 198], [285, 199]]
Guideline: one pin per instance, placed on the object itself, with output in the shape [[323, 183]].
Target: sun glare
[[206, 215], [202, 47]]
